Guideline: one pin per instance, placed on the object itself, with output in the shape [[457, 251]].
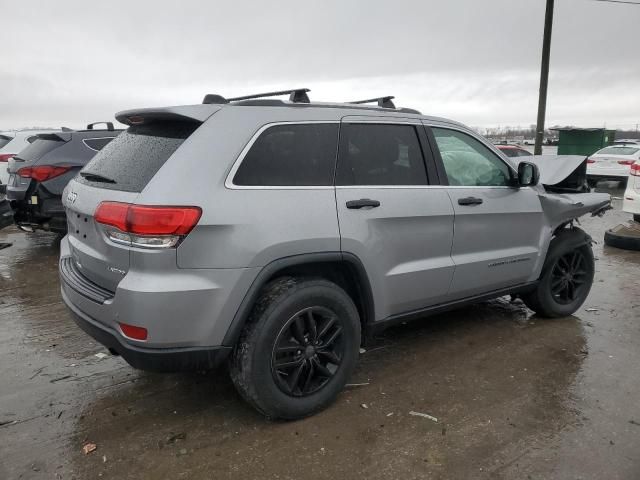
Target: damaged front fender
[[561, 208], [563, 190]]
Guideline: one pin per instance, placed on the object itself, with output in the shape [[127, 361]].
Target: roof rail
[[297, 95], [108, 124], [384, 102]]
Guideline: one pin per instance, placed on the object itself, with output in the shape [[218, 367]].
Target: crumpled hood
[[555, 168], [562, 189]]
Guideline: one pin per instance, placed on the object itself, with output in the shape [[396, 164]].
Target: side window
[[468, 162], [376, 154], [97, 143], [291, 155]]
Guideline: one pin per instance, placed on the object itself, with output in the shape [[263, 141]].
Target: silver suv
[[278, 235]]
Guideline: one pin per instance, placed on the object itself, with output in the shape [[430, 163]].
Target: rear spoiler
[[189, 113], [58, 136]]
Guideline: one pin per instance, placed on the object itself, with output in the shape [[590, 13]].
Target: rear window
[[4, 140], [619, 150], [291, 155], [39, 148], [132, 159]]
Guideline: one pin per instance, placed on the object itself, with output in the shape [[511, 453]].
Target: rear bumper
[[152, 359], [36, 208], [187, 313]]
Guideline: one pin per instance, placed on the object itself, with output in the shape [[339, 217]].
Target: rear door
[[498, 227], [389, 216], [118, 173]]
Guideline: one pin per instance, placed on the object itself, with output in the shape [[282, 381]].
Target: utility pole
[[544, 77]]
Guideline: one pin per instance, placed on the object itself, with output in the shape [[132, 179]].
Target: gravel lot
[[515, 396]]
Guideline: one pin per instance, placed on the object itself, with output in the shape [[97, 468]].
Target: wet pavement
[[515, 396]]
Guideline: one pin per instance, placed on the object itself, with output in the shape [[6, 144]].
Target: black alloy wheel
[[569, 277], [307, 351]]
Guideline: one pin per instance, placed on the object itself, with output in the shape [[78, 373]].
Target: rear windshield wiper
[[96, 177]]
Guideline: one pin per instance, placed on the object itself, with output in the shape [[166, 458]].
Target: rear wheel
[[299, 348], [636, 218], [566, 277]]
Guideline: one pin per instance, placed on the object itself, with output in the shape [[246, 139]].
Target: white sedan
[[631, 202], [612, 163]]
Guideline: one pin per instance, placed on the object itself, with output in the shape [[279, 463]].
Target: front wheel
[[566, 278], [299, 348]]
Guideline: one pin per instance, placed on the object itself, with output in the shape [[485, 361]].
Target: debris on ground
[[101, 355], [364, 405], [357, 384], [178, 436], [88, 448], [591, 309], [362, 350], [104, 459], [633, 422], [424, 415], [389, 414]]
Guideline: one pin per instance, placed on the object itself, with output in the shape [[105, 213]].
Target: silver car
[[277, 235]]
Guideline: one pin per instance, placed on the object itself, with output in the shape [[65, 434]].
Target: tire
[[566, 278], [636, 217], [622, 241], [592, 182], [275, 334]]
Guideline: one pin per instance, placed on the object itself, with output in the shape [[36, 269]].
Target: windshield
[[619, 150]]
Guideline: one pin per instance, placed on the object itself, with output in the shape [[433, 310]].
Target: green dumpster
[[583, 141]]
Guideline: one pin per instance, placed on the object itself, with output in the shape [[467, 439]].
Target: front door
[[389, 216], [498, 226]]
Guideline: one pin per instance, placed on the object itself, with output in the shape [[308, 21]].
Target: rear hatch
[[118, 173], [30, 156]]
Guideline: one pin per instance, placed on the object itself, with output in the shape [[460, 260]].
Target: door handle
[[363, 202], [469, 201]]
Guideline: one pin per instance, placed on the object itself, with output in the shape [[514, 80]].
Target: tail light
[[4, 157], [147, 225], [42, 172], [590, 161], [626, 162], [635, 170]]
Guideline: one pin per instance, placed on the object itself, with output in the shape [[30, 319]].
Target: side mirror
[[528, 174]]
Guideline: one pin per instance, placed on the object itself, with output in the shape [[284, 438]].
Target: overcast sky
[[476, 61]]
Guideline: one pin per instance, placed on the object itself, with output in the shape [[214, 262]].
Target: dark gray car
[[41, 171], [277, 235]]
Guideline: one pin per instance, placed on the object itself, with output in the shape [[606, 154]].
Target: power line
[[618, 1]]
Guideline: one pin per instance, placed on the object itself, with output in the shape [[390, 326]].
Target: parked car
[[612, 163], [278, 235], [12, 143], [631, 202], [627, 141], [39, 173], [513, 151]]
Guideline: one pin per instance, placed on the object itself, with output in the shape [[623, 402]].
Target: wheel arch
[[344, 269]]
